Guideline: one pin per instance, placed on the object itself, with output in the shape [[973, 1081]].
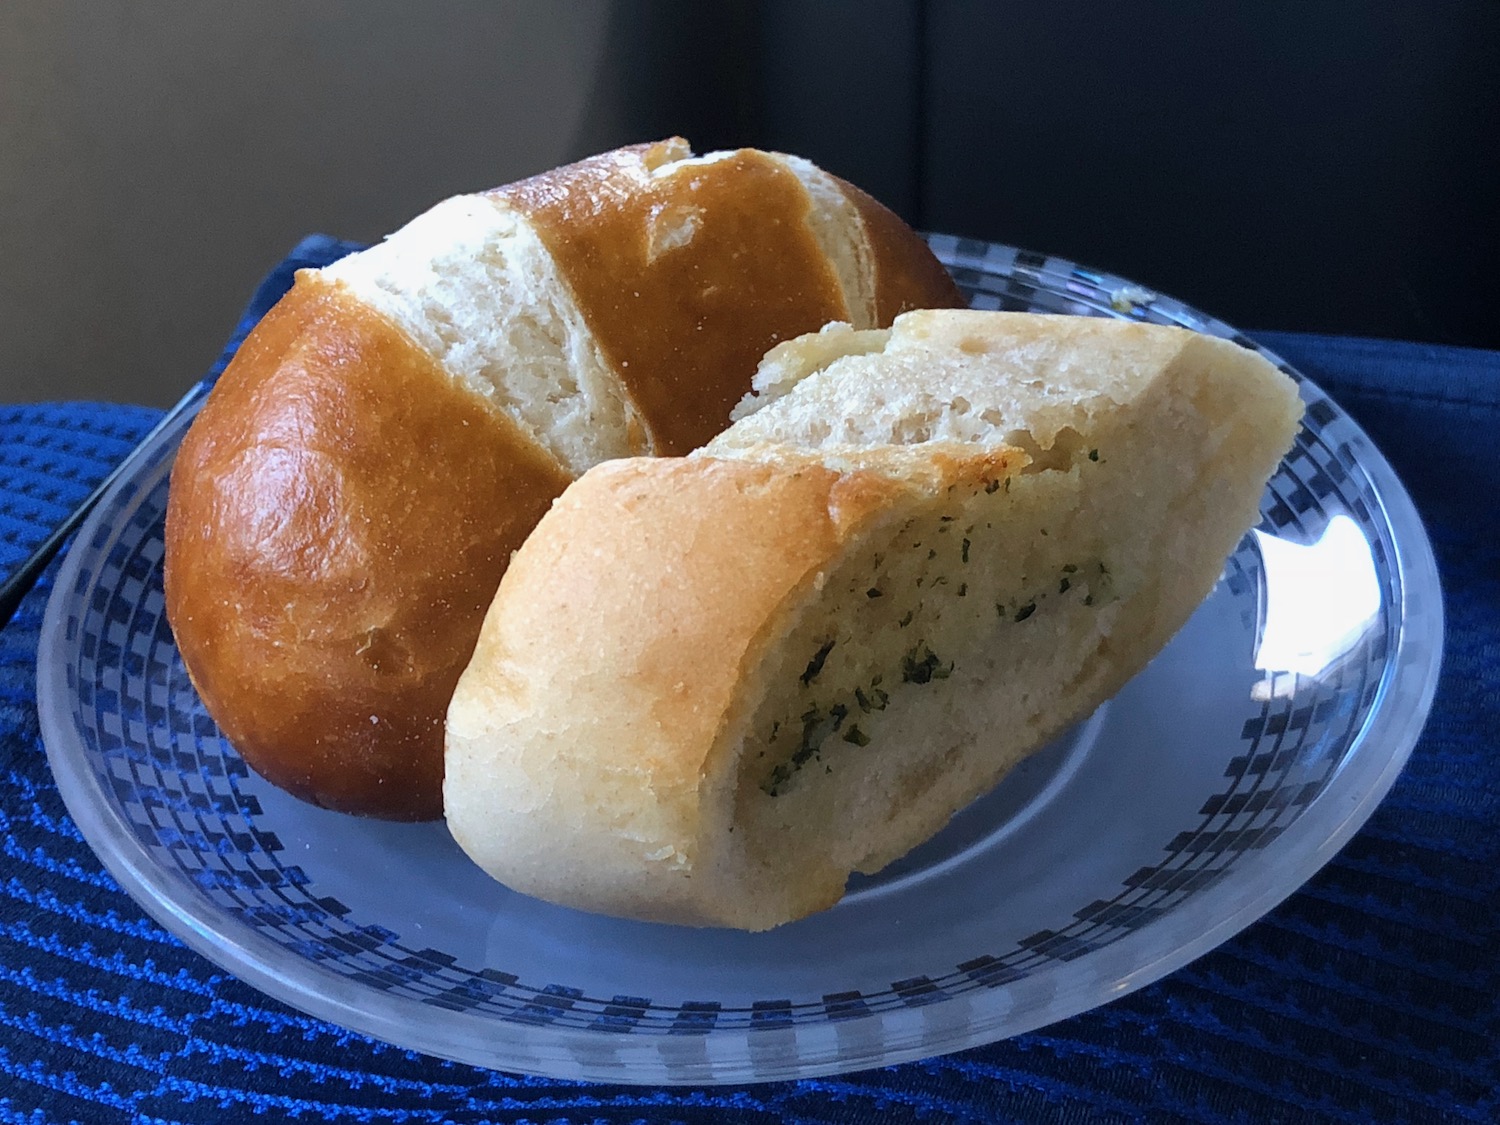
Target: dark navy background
[[1304, 164]]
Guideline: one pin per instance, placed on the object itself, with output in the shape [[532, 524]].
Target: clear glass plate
[[1207, 791]]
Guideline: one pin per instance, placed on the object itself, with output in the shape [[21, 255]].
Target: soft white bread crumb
[[1143, 452], [711, 688], [787, 364], [956, 375], [841, 235], [471, 282]]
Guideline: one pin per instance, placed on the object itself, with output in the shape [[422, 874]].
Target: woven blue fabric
[[1372, 995]]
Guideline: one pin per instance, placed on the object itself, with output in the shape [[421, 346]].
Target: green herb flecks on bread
[[712, 687]]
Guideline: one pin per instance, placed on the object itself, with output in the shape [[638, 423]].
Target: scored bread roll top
[[345, 504], [710, 688]]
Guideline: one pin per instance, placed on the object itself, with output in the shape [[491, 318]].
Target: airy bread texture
[[710, 688], [471, 282], [342, 509]]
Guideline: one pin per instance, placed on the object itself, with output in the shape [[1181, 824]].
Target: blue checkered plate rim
[[1207, 791]]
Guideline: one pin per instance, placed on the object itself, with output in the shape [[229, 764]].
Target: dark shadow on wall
[[672, 68], [834, 82], [1293, 164]]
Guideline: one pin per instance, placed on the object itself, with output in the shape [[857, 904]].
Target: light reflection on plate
[[1321, 600]]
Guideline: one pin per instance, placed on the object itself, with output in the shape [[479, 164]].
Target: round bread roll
[[711, 687], [342, 509]]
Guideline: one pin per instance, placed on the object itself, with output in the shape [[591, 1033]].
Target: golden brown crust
[[769, 527], [338, 520], [628, 749], [684, 323], [907, 276]]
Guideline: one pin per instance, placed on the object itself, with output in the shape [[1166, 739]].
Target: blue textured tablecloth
[[1372, 995]]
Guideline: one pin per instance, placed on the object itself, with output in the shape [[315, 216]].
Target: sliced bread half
[[712, 687]]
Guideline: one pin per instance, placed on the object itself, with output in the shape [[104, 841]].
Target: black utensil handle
[[24, 577]]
